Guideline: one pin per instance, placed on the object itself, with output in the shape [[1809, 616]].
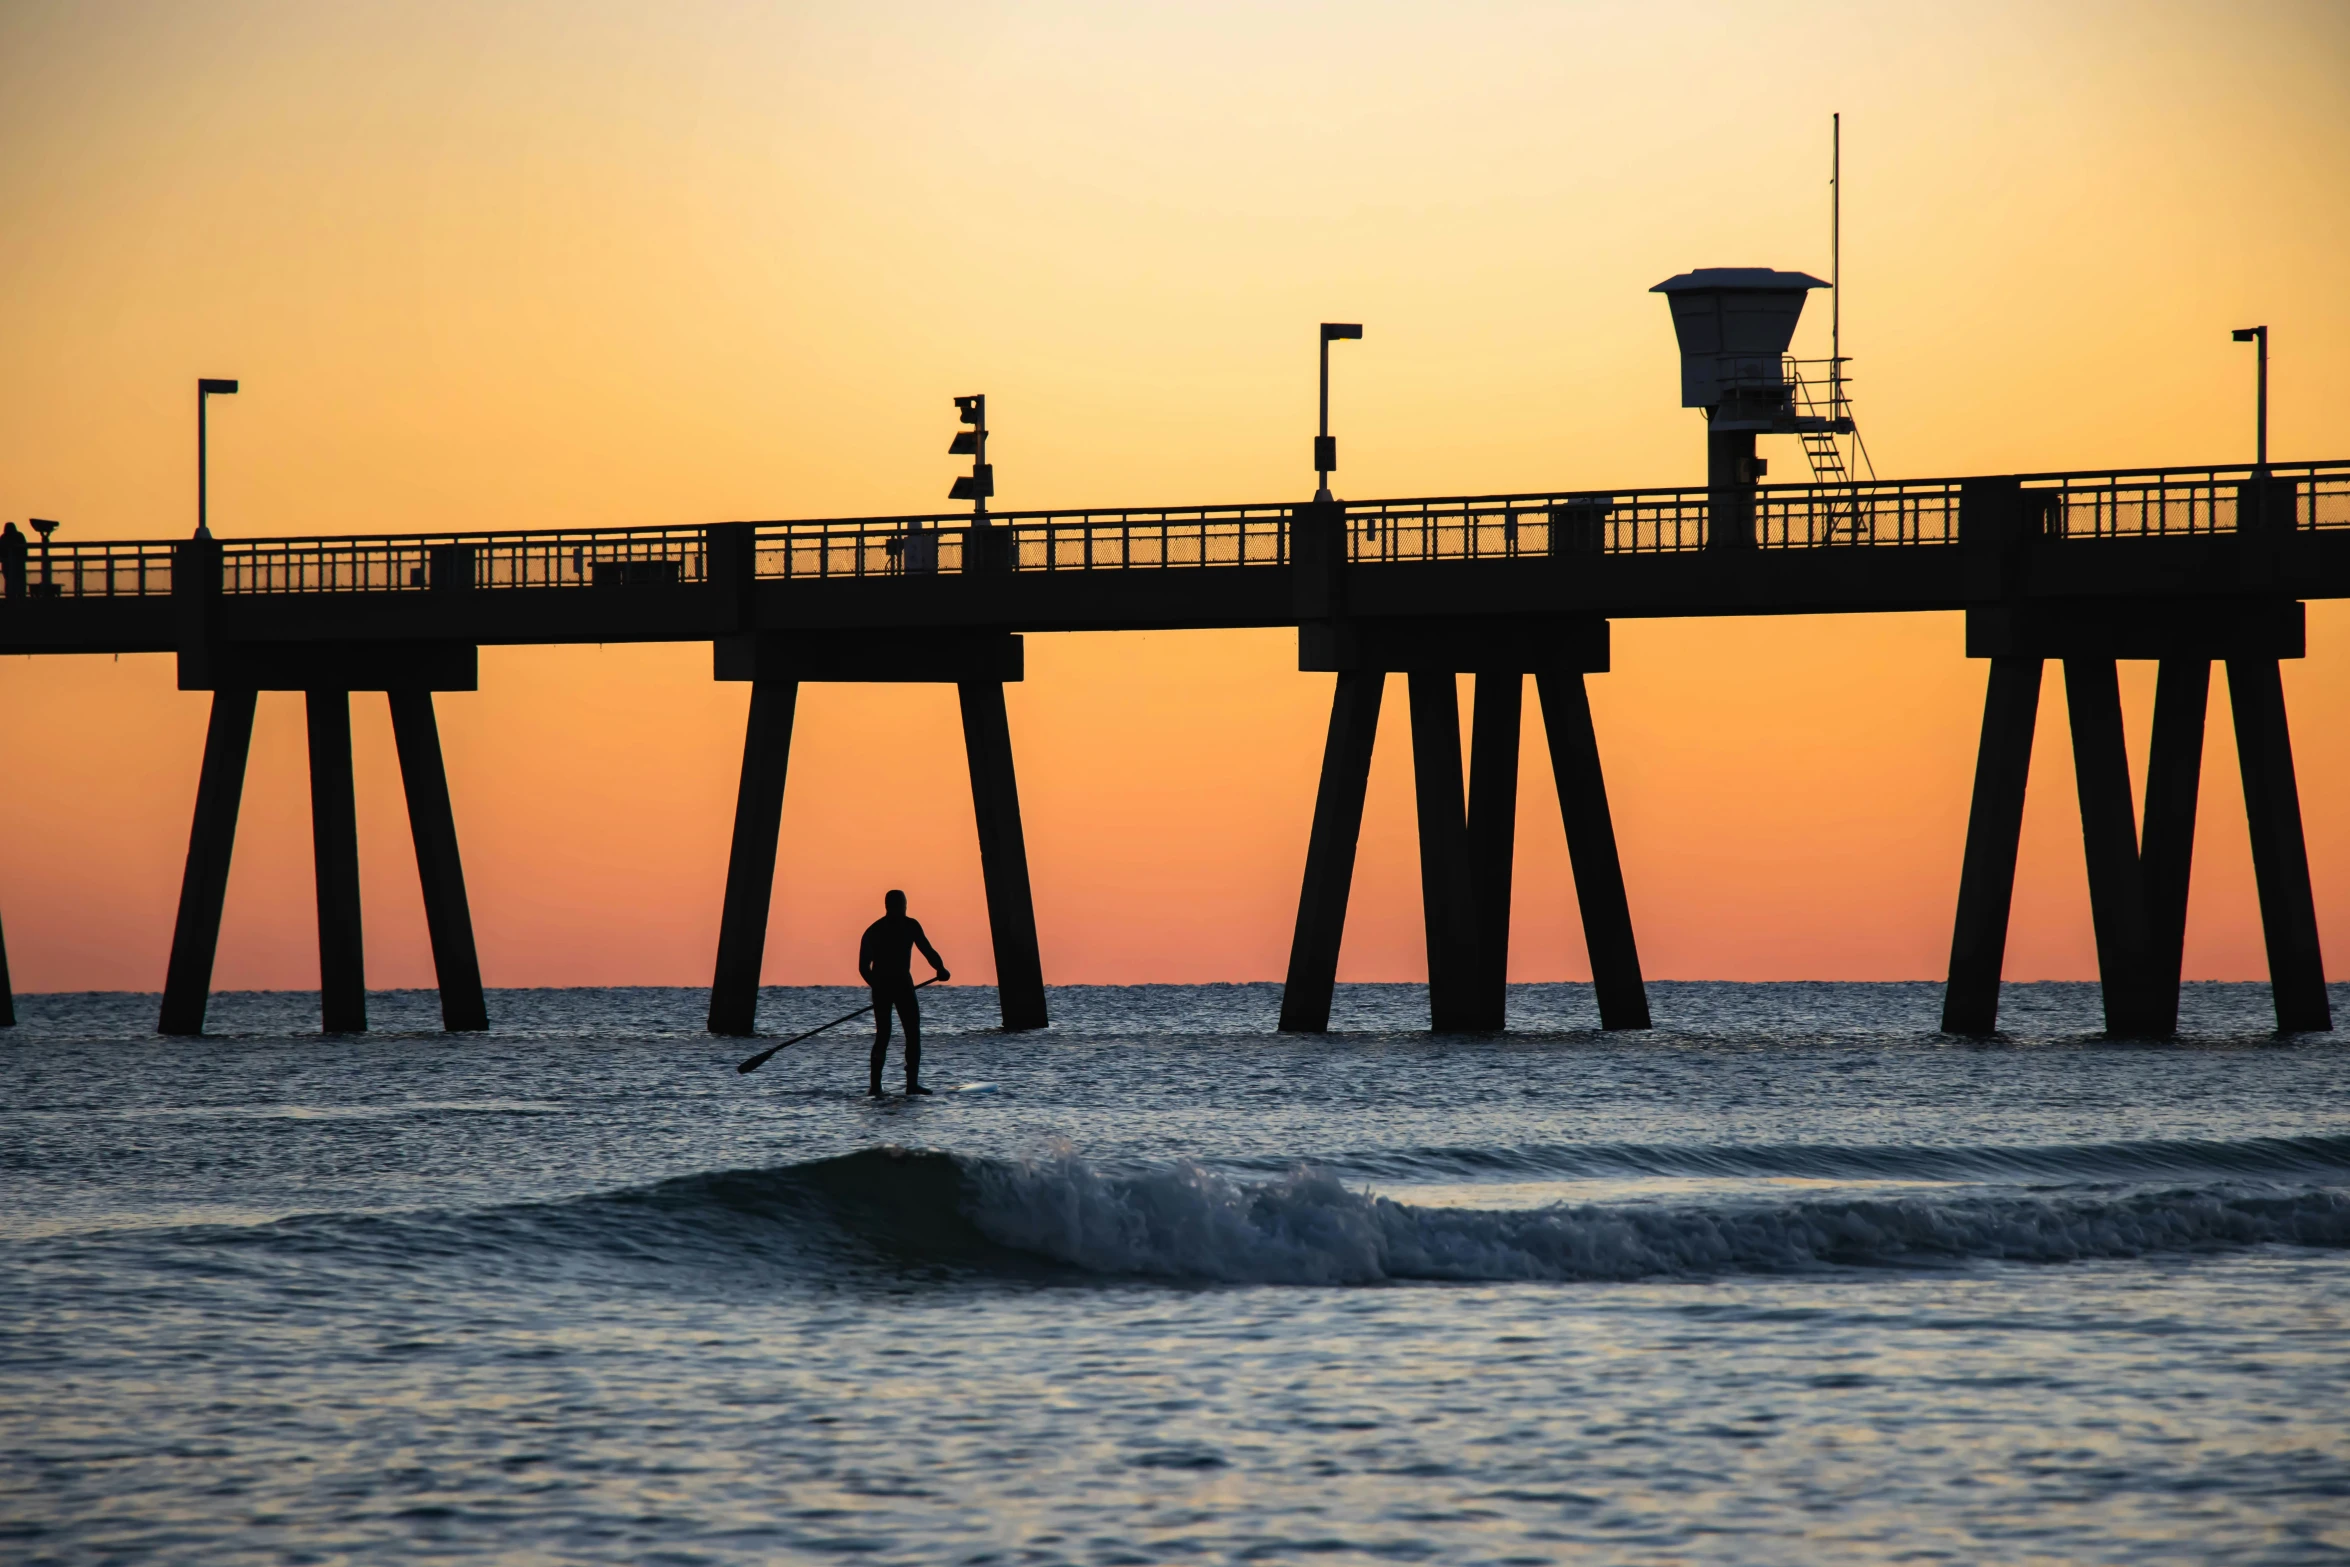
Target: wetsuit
[[886, 958]]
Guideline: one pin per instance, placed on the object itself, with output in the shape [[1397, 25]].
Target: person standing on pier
[[12, 557], [886, 959]]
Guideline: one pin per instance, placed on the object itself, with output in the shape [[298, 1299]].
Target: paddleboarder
[[886, 958]]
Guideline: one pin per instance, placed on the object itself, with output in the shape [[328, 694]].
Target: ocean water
[[1792, 1278]]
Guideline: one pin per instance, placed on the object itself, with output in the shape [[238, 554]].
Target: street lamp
[[1325, 445], [2259, 334], [207, 386]]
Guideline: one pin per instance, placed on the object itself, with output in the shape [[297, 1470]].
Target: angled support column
[[1003, 855], [1330, 853], [1591, 846], [1494, 726], [433, 824], [750, 864], [1448, 904], [334, 847], [2280, 855], [2166, 844], [195, 938], [1986, 883], [7, 992], [2109, 838]]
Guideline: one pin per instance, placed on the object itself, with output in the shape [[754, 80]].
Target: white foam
[[1308, 1227]]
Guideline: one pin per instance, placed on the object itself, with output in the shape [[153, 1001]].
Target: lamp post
[[2259, 334], [206, 387], [1325, 447]]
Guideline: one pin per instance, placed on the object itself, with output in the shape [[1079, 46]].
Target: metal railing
[[131, 569], [584, 557], [2147, 503], [1650, 522], [1104, 540], [2168, 502]]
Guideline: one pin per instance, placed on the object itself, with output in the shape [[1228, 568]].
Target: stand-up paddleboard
[[897, 1101], [764, 1056]]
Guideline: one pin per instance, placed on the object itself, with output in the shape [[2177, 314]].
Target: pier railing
[[2148, 503]]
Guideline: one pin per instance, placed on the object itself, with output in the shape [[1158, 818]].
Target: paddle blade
[[757, 1061]]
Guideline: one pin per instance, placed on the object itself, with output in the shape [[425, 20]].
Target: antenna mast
[[1836, 266]]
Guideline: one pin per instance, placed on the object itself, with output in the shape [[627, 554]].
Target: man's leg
[[910, 1013], [881, 1000]]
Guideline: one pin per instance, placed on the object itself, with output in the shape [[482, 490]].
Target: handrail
[[2081, 504]]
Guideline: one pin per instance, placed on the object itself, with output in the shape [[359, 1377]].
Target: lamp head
[[2248, 334], [214, 386], [1336, 331]]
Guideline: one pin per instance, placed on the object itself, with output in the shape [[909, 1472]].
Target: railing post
[[450, 568], [195, 610], [1991, 537], [1317, 554], [732, 551]]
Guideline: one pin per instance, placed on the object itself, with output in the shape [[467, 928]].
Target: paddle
[[760, 1060]]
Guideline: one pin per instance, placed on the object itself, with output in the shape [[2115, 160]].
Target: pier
[[2189, 567]]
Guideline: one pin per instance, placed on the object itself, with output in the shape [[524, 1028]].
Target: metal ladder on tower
[[1825, 452]]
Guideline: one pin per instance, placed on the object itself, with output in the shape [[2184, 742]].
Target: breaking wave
[[1061, 1216], [2169, 1159], [1309, 1227]]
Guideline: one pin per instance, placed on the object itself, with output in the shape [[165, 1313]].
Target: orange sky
[[516, 265]]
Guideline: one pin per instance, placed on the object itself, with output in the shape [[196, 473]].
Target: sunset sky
[[504, 265]]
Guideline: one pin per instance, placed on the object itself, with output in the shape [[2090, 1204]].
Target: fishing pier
[[2191, 567]]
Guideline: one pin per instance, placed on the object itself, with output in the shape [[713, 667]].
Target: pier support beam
[[1591, 845], [195, 937], [1330, 852], [433, 825], [1448, 903], [2166, 843], [334, 846], [1003, 855], [1986, 884], [2280, 855], [7, 991], [750, 864], [1494, 727], [2109, 838]]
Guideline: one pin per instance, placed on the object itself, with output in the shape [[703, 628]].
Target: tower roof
[[1744, 278]]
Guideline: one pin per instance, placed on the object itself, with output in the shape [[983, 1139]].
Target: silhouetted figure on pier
[[12, 557], [886, 958]]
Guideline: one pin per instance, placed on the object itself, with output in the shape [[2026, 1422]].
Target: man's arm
[[929, 951], [865, 957]]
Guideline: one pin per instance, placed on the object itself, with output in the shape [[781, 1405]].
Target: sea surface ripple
[[1793, 1278]]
